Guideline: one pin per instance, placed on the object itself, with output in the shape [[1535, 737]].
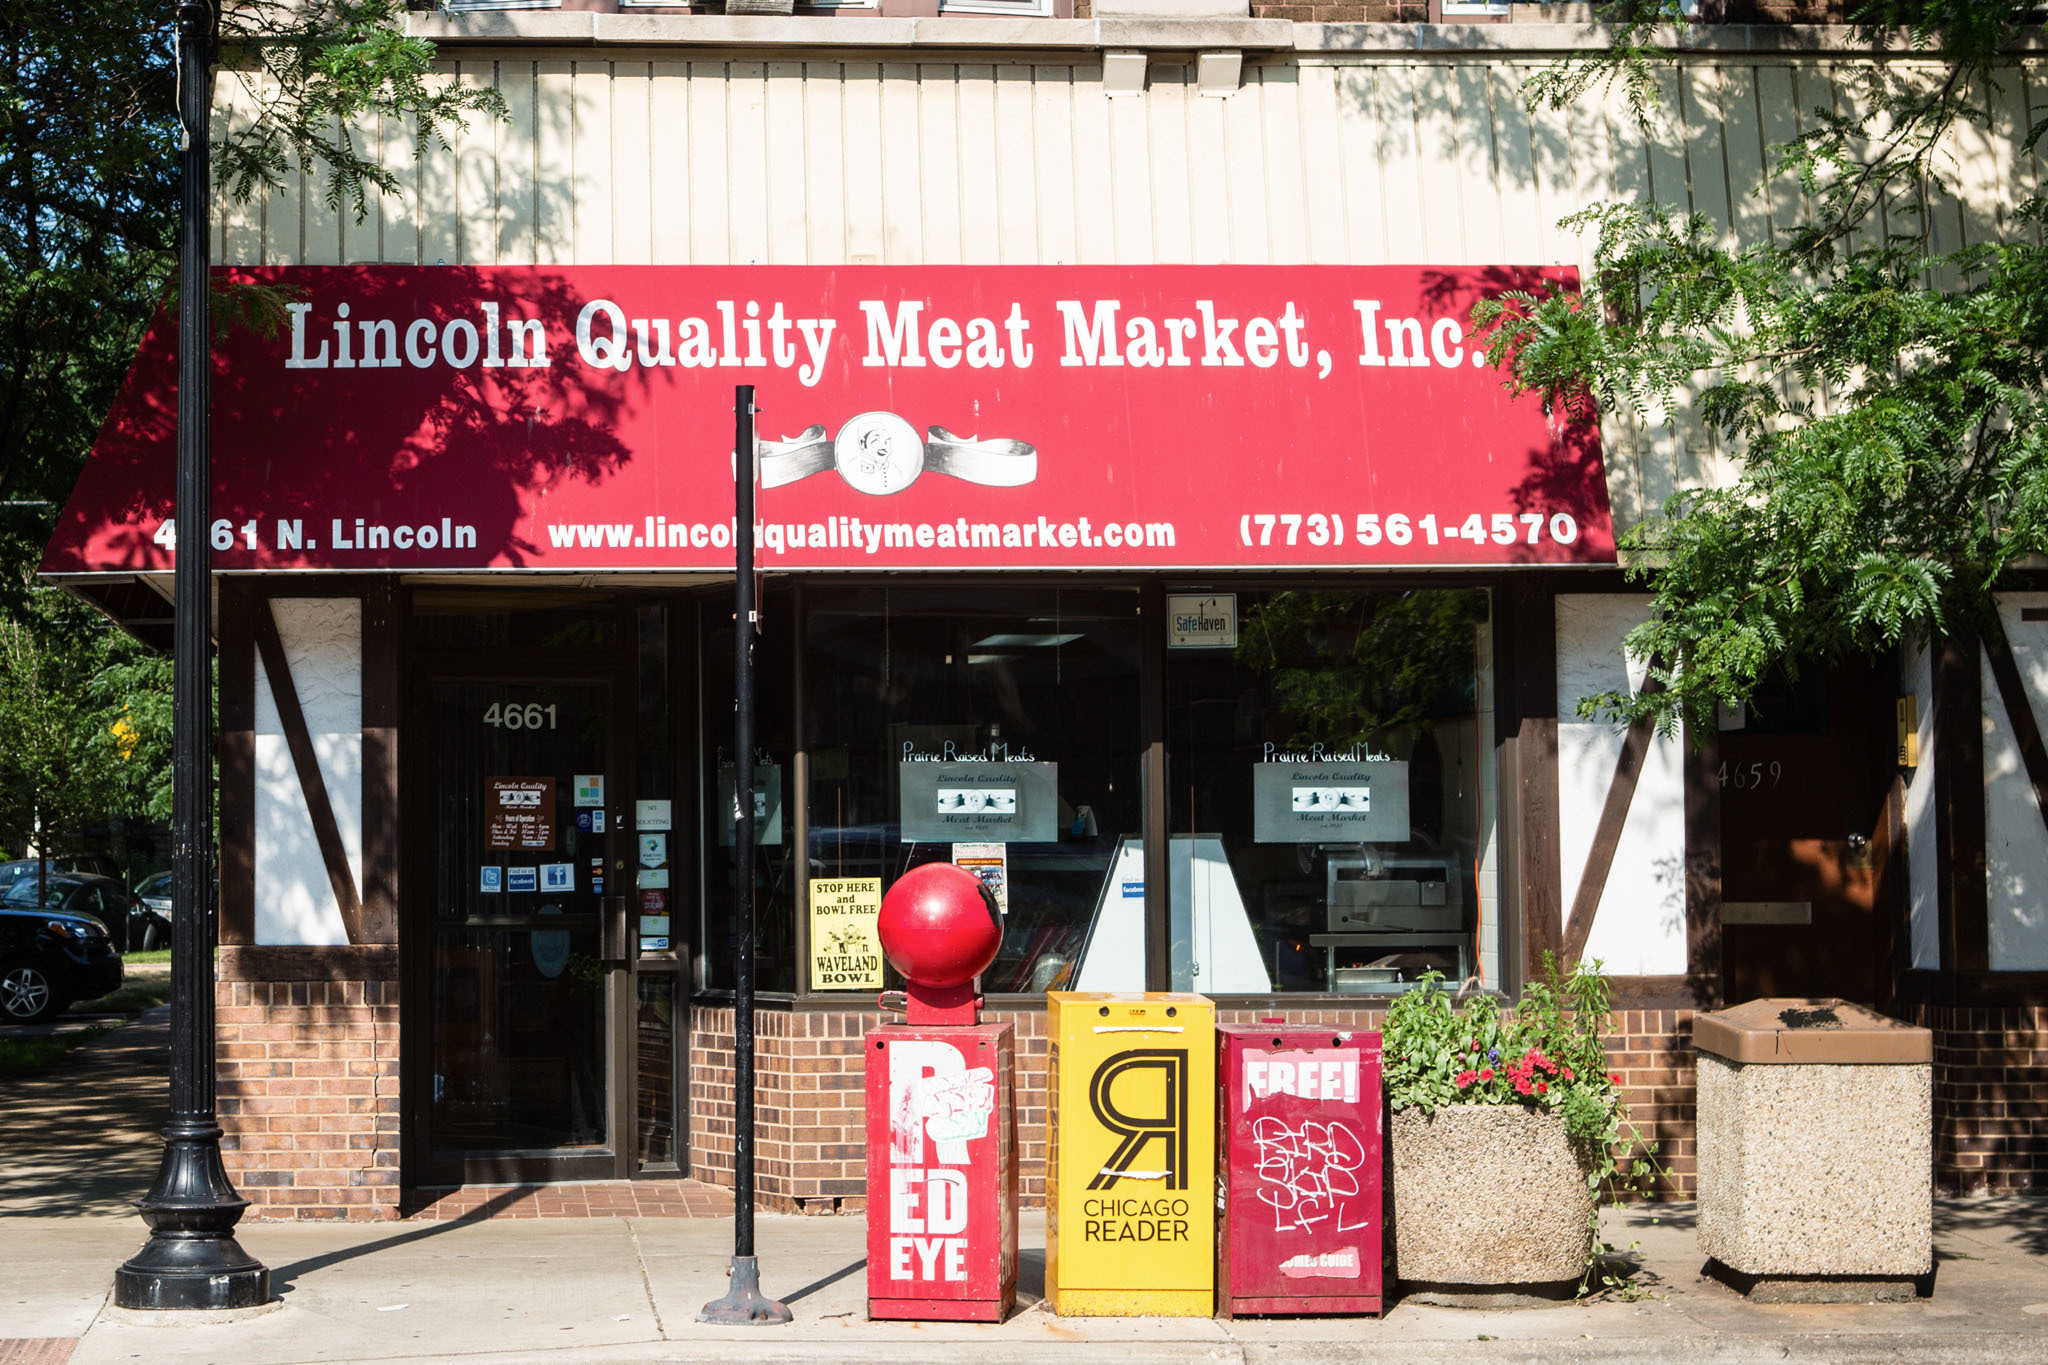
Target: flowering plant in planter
[[1548, 1056]]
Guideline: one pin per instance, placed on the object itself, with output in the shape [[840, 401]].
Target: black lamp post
[[743, 1302], [192, 1260]]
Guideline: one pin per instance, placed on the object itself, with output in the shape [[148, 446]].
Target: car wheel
[[155, 936], [27, 994]]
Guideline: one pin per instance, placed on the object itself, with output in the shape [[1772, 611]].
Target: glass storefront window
[[775, 887], [489, 618], [656, 1030], [997, 727], [1331, 792]]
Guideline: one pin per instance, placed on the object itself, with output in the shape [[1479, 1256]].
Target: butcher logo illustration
[[879, 453]]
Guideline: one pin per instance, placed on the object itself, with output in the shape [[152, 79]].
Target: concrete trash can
[[1816, 1151]]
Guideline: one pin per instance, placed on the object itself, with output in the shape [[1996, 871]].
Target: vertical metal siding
[[1331, 159]]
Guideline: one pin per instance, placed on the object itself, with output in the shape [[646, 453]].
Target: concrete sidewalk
[[628, 1289]]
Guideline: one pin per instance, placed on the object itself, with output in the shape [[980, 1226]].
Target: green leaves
[[1883, 398], [322, 74], [89, 188], [87, 712]]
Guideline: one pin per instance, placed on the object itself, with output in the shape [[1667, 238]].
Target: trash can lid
[[1809, 1031]]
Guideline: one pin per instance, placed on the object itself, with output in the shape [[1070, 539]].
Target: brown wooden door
[[1806, 833]]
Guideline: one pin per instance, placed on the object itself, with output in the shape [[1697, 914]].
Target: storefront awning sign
[[571, 418]]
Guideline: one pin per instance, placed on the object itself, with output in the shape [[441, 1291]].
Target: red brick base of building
[[811, 1137], [1990, 1096], [307, 1066], [309, 1093]]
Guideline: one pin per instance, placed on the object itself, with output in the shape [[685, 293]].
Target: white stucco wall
[[2015, 840], [1639, 927], [323, 647]]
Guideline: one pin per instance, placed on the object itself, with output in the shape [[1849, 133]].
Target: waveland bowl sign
[[912, 418]]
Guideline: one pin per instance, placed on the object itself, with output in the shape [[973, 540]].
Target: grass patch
[[27, 1054], [153, 955], [134, 996]]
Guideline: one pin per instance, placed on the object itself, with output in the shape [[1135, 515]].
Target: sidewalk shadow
[[83, 1136], [284, 1277], [2024, 1217], [826, 1281]]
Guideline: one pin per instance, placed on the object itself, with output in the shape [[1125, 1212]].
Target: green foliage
[[89, 194], [1549, 1055], [87, 715], [1885, 398], [1351, 666], [327, 71]]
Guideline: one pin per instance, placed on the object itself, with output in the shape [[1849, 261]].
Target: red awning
[[926, 418]]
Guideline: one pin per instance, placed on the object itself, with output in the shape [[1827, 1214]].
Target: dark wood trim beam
[[1979, 989], [237, 655], [1534, 705], [1959, 805], [1621, 794], [383, 699], [300, 741], [1655, 993], [355, 962], [1158, 835], [1703, 959]]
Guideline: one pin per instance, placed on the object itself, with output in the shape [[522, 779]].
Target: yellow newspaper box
[[1131, 1210]]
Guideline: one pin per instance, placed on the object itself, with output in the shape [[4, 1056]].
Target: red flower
[[1522, 1085], [1568, 1074], [1474, 1046], [1614, 1078], [1465, 1078], [1486, 1073], [1542, 1087]]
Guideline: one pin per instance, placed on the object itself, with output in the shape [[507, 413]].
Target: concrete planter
[[1490, 1204], [1816, 1151]]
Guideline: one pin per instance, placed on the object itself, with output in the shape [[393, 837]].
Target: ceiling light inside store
[[1025, 641], [973, 659]]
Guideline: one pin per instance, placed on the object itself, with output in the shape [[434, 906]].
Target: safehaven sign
[[935, 418]]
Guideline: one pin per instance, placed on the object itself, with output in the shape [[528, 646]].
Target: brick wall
[[1990, 1096], [307, 1066], [1417, 12], [1361, 12], [810, 1152]]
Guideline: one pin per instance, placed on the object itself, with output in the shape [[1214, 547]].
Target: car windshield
[[159, 885], [23, 892]]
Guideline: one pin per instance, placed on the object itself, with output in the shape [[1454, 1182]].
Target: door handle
[[614, 951]]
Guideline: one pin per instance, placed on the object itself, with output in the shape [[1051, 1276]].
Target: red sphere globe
[[939, 926]]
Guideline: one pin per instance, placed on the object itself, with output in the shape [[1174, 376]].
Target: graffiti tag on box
[[937, 1105], [1308, 1170]]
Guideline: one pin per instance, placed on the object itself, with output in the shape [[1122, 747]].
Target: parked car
[[81, 893], [95, 864], [50, 958], [150, 924]]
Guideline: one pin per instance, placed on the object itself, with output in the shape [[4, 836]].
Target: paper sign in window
[[977, 801], [1310, 800]]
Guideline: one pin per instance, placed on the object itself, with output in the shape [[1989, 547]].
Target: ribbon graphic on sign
[[880, 453]]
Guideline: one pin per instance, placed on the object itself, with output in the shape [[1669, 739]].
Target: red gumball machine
[[942, 1148]]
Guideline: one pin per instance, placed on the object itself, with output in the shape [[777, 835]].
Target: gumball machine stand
[[942, 1145]]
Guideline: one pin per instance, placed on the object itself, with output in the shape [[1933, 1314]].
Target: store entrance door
[[1809, 873], [527, 972]]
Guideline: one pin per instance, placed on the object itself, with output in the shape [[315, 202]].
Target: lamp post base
[[744, 1305], [192, 1260]]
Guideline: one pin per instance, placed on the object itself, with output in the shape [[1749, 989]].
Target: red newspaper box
[[942, 1172], [1300, 1113]]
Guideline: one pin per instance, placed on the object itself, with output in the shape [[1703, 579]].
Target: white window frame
[[1016, 9]]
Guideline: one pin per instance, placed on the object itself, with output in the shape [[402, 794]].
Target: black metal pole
[[192, 1260], [743, 1301]]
